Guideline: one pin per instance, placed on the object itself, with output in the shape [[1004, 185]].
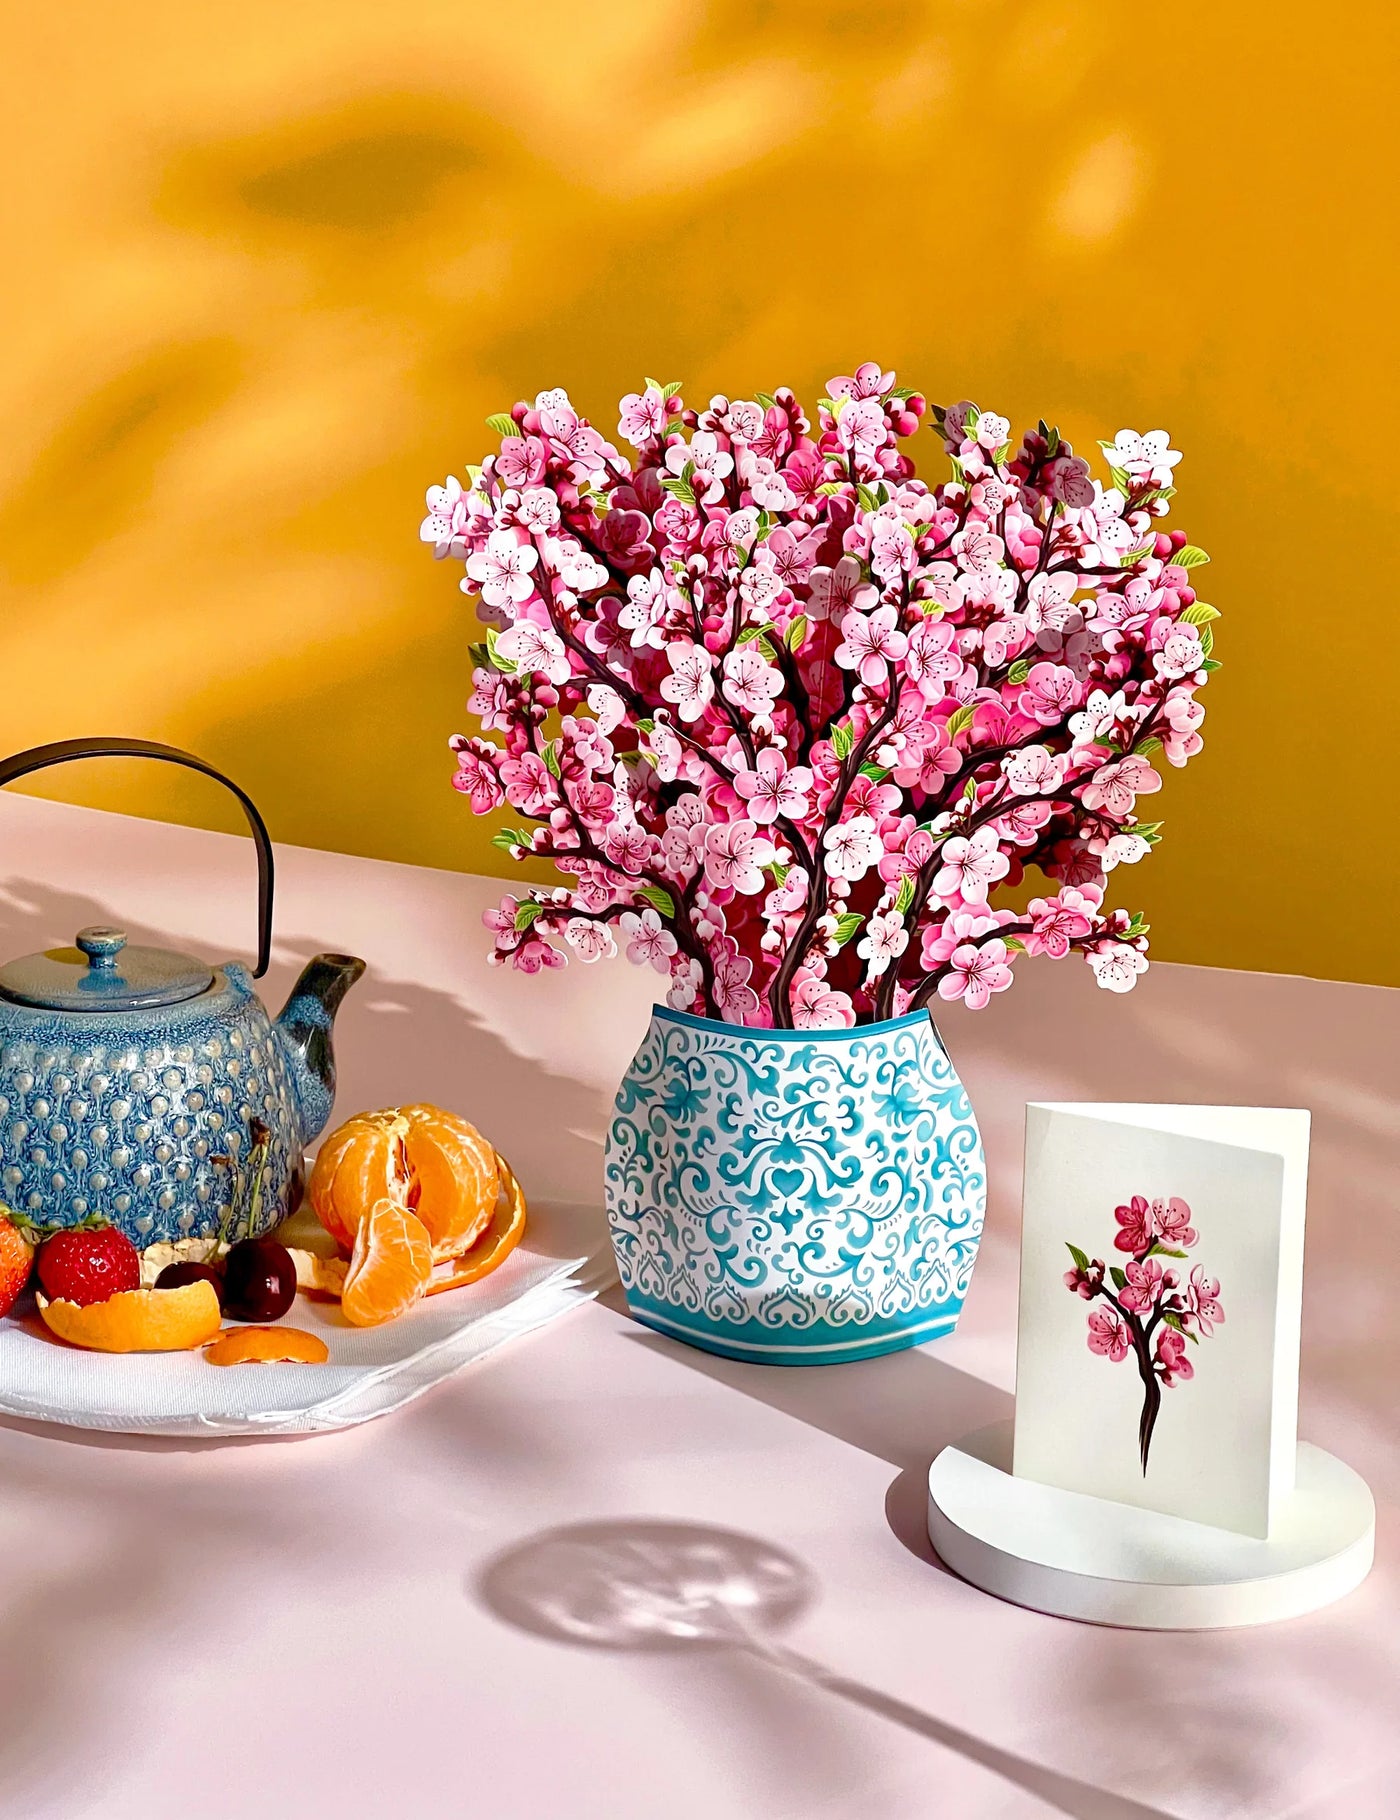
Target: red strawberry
[[88, 1265], [16, 1261]]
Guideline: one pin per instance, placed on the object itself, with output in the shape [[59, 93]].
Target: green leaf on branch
[[646, 726], [1211, 663], [505, 840], [659, 899], [502, 424], [876, 773], [1013, 944], [797, 633], [842, 740], [1191, 557], [669, 391], [679, 489], [767, 400], [750, 633], [1207, 641], [480, 656], [1119, 1280], [777, 872], [1052, 442], [550, 754], [1199, 613], [973, 418], [1129, 557], [1146, 747], [905, 895], [1156, 493], [503, 664], [1174, 1320], [846, 927], [830, 488], [1121, 479], [526, 913], [1164, 1251], [1018, 672], [960, 720], [1081, 1258], [869, 502]]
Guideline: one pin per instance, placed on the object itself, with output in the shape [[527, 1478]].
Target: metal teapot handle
[[39, 758]]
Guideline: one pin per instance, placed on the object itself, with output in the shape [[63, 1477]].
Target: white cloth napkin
[[371, 1370]]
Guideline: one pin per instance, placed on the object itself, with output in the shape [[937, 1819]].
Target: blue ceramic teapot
[[146, 1088]]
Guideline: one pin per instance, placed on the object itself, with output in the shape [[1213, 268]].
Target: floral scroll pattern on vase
[[794, 1197]]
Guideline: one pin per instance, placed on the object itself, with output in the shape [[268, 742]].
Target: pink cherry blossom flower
[[1203, 1300], [978, 550], [1171, 1222], [1136, 1232], [1116, 787], [1085, 1283], [535, 954], [589, 940], [476, 778], [1033, 771], [709, 463], [735, 854], [1049, 693], [1145, 1283], [534, 648], [869, 381], [971, 864], [852, 848], [449, 519], [870, 642], [521, 461], [933, 658], [502, 569], [976, 973], [885, 939], [649, 944], [1116, 967], [642, 416], [1180, 653], [629, 847], [690, 685], [1172, 1362], [500, 920], [837, 591], [749, 682], [1056, 921], [774, 788], [1108, 1334], [817, 1006], [528, 785], [1149, 457]]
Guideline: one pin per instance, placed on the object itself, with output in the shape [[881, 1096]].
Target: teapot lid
[[103, 974]]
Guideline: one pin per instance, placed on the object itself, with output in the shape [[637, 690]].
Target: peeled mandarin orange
[[138, 1320], [430, 1161], [267, 1346], [389, 1267], [495, 1244]]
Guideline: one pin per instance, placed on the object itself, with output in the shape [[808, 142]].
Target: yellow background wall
[[267, 268]]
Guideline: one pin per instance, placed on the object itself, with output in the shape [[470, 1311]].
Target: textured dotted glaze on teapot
[[122, 1115]]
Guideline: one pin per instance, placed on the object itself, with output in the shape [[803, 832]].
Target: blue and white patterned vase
[[795, 1197]]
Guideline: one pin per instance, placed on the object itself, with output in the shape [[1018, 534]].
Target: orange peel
[[267, 1346], [495, 1244], [138, 1320]]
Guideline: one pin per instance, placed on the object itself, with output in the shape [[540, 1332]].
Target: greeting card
[[1161, 1288]]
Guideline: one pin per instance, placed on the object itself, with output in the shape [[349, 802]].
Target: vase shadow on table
[[903, 1408], [681, 1588]]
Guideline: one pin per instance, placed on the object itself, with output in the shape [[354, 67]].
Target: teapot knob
[[101, 945]]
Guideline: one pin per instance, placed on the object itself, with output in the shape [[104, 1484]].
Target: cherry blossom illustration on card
[[1148, 1314]]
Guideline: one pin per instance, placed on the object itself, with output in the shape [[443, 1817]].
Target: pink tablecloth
[[388, 1621]]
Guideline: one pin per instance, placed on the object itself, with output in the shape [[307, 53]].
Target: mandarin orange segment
[[359, 1164], [389, 1267], [495, 1244], [454, 1179], [267, 1346], [138, 1320]]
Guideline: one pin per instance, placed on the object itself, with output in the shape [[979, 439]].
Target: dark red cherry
[[175, 1276], [260, 1280]]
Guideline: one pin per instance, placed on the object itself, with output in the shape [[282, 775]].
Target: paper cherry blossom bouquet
[[787, 716]]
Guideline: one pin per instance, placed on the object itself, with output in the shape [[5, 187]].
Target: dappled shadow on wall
[[680, 1588]]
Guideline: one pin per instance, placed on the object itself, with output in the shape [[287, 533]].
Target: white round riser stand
[[1103, 1563]]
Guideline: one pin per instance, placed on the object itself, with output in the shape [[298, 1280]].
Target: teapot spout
[[304, 1030]]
